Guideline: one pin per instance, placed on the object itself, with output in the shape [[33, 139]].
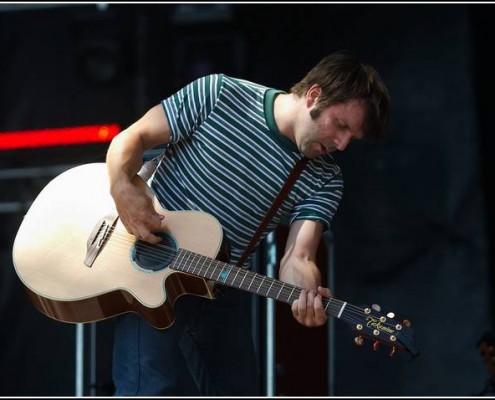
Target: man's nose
[[343, 142]]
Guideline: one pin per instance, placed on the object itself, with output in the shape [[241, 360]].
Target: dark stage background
[[415, 230]]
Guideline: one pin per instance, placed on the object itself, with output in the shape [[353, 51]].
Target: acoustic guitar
[[79, 264]]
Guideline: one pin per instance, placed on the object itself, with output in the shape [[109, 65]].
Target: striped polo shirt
[[227, 157]]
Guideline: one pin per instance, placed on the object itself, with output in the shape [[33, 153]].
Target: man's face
[[333, 128]]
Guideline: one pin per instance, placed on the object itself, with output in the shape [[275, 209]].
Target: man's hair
[[342, 77]]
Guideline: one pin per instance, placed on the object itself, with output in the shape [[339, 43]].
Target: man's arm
[[298, 267], [124, 160]]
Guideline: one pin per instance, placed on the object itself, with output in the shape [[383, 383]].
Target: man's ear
[[312, 94]]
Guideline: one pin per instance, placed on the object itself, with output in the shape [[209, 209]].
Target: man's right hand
[[135, 209]]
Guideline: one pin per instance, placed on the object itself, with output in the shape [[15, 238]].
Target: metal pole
[[92, 391], [255, 306], [79, 360], [331, 321], [270, 317]]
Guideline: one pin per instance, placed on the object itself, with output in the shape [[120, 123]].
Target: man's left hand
[[308, 308]]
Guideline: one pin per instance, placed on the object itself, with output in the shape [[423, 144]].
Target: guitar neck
[[246, 280]]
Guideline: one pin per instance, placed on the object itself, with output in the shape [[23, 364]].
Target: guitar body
[[51, 247]]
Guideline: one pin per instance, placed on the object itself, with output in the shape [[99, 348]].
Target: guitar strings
[[165, 250], [157, 251]]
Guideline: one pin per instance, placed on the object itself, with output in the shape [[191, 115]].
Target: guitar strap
[[296, 171], [149, 167]]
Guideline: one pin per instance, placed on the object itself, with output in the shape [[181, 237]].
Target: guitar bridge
[[98, 238]]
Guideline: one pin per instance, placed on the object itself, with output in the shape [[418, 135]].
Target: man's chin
[[313, 155]]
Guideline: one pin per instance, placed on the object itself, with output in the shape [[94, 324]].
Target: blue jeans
[[208, 351]]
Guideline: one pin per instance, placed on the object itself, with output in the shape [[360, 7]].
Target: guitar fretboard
[[244, 279]]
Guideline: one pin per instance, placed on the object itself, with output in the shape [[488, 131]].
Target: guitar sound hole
[[154, 257]]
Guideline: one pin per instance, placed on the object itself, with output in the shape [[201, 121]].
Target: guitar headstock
[[369, 322]]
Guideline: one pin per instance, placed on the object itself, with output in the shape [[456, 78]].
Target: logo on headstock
[[375, 323]]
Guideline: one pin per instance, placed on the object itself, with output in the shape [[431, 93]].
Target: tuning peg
[[391, 315], [359, 340], [376, 344], [393, 351], [376, 307], [406, 323]]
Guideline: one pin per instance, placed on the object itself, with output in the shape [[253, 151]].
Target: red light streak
[[58, 136]]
